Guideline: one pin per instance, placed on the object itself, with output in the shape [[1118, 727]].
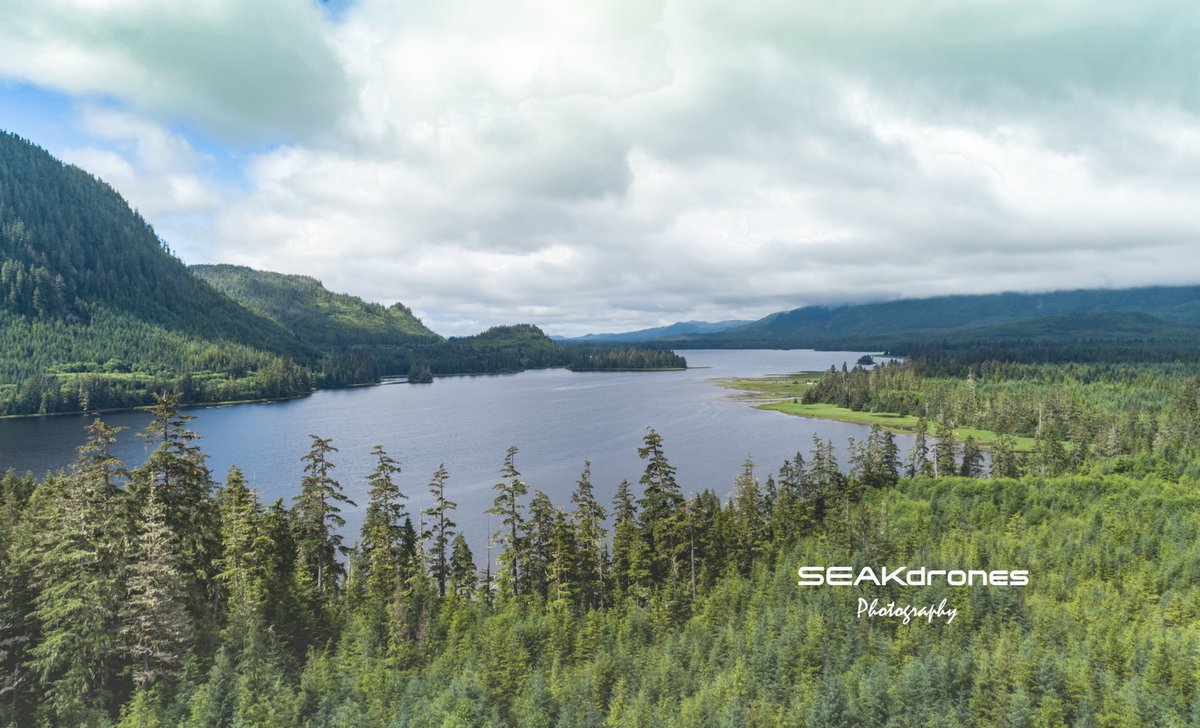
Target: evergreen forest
[[166, 595]]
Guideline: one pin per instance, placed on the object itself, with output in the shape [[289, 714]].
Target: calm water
[[557, 418]]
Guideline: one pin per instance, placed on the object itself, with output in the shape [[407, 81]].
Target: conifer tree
[[537, 539], [383, 529], [588, 519], [791, 477], [750, 521], [1051, 455], [630, 560], [78, 564], [562, 576], [15, 590], [507, 505], [440, 531], [661, 517], [944, 457], [972, 459], [463, 575], [241, 572], [1004, 458], [825, 475], [794, 511], [318, 518], [918, 457], [882, 463], [154, 615], [178, 471]]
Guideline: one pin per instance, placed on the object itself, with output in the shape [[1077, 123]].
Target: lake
[[556, 417]]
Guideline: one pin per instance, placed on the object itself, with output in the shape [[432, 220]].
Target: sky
[[611, 165]]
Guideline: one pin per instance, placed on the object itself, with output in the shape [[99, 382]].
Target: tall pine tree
[[507, 506], [318, 518], [154, 615], [440, 531], [661, 516], [588, 519]]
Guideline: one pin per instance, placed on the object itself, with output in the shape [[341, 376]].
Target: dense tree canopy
[[681, 607]]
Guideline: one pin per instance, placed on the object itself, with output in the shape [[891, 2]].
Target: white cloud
[[252, 70], [623, 164]]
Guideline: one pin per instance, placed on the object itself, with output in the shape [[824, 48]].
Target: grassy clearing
[[783, 394]]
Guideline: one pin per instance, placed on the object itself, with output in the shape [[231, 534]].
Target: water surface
[[557, 418]]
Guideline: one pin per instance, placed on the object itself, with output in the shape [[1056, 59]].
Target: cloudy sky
[[600, 166]]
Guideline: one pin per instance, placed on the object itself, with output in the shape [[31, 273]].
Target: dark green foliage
[[507, 505], [95, 312], [318, 518], [357, 341], [242, 571], [661, 516], [515, 348], [945, 451], [591, 538], [631, 557], [77, 559], [156, 624], [70, 243], [440, 531], [604, 359], [972, 459], [325, 320], [463, 575], [383, 536], [177, 475], [95, 625]]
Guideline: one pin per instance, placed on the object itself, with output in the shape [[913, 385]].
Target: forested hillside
[[95, 311], [70, 244], [675, 605], [321, 318]]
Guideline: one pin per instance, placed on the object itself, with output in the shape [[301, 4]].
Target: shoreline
[[383, 380], [781, 393]]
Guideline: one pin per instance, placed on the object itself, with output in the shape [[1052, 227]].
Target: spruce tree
[[318, 516], [537, 539], [944, 457], [750, 520], [562, 575], [440, 531], [972, 459], [463, 575], [242, 570], [661, 502], [1004, 458], [156, 626], [78, 564], [588, 519], [882, 466], [918, 457], [383, 529], [178, 471], [630, 559], [507, 505]]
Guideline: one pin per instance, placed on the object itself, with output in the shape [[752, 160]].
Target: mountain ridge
[[929, 319]]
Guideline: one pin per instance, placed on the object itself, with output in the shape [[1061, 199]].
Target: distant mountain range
[[683, 328], [1159, 315]]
